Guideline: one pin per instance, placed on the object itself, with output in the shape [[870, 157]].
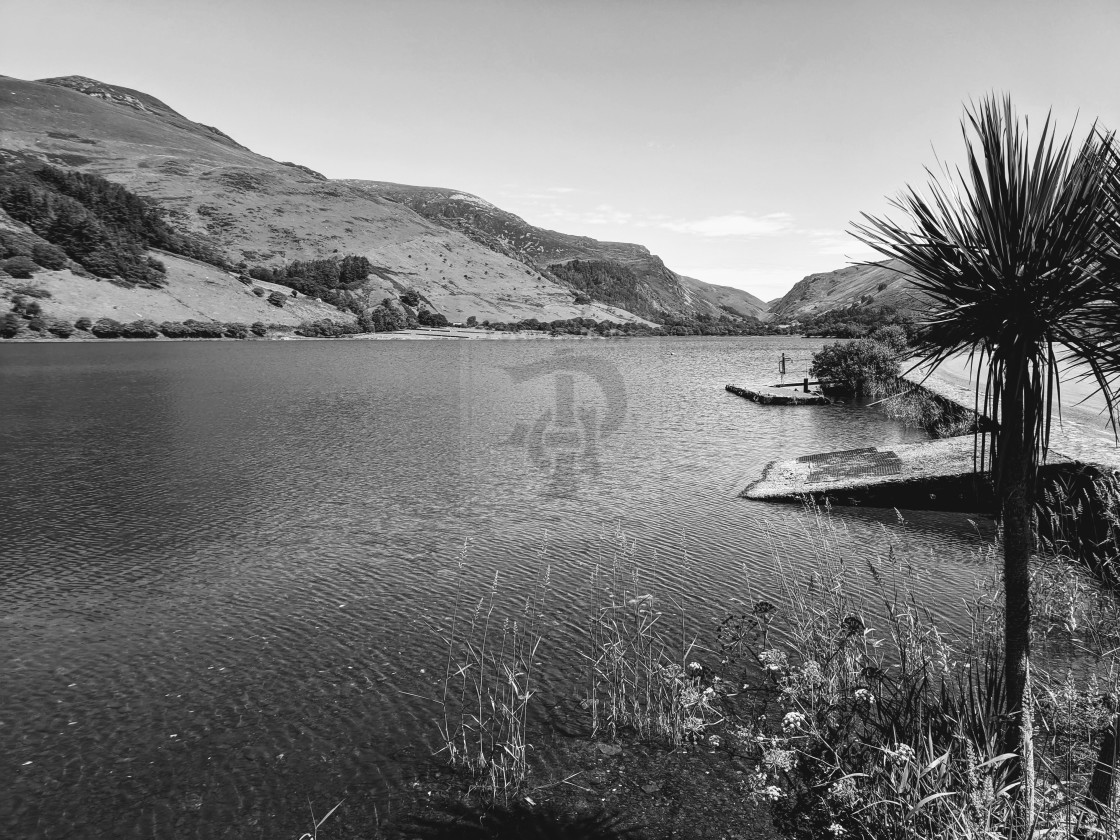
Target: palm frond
[[1019, 255]]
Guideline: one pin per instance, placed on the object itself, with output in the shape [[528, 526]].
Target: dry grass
[[488, 683]]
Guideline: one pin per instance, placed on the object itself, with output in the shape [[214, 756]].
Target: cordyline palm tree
[[1018, 255]]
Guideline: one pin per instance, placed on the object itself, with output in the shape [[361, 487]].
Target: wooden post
[[805, 385]]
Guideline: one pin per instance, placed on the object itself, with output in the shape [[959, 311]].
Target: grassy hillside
[[628, 275], [878, 284], [257, 212]]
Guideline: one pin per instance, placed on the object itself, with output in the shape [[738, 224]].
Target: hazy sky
[[735, 139]]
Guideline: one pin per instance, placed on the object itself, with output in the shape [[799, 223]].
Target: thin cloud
[[735, 224]]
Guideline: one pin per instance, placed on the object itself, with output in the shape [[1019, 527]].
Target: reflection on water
[[222, 563]]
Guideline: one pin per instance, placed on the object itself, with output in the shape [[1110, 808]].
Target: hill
[[462, 255], [875, 284], [628, 275]]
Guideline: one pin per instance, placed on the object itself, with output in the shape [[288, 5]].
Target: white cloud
[[735, 224]]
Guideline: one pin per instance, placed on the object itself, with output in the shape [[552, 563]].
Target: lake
[[224, 564]]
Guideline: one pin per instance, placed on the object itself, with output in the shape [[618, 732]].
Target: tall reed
[[642, 679], [489, 680]]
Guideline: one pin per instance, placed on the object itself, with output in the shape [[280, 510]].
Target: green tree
[[1018, 257]]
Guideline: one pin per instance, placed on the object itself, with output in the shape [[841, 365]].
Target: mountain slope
[[656, 292], [463, 255], [876, 284]]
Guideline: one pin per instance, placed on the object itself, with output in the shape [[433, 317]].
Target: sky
[[736, 140]]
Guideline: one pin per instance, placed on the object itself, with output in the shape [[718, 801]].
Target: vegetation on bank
[[888, 724], [101, 227], [857, 321]]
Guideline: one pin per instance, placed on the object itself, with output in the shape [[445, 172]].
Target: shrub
[[19, 267], [472, 321], [60, 328], [139, 329], [258, 329], [10, 324], [48, 256], [106, 328], [205, 329], [582, 299], [431, 319], [863, 367], [411, 298], [258, 291], [277, 299], [175, 329], [893, 336], [32, 291], [325, 328], [236, 331], [83, 324], [13, 245], [246, 279]]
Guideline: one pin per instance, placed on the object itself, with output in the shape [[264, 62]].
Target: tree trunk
[[1017, 467]]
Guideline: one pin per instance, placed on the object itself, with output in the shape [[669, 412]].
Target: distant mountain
[[462, 254], [875, 284], [640, 281]]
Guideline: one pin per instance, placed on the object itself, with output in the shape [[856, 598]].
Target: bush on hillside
[[49, 256], [258, 291], [26, 308], [235, 330], [324, 328], [863, 367], [411, 298], [32, 291], [142, 328], [194, 329], [19, 267], [277, 299], [60, 328], [83, 324], [10, 325], [106, 328], [431, 319], [258, 329], [13, 245]]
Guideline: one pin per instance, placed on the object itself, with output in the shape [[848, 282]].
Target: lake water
[[223, 564]]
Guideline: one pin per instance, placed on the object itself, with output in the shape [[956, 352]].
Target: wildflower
[[773, 660], [902, 752], [694, 668], [793, 721], [852, 625], [844, 791], [773, 792], [811, 673], [837, 829], [864, 696], [714, 740], [763, 608], [691, 725], [778, 759]]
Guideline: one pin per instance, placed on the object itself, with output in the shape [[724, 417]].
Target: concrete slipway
[[939, 474]]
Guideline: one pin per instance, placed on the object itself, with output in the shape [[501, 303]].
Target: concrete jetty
[[939, 474], [778, 395]]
